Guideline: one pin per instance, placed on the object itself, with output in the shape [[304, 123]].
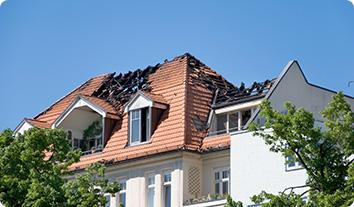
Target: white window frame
[[297, 165], [131, 119], [164, 184], [122, 191], [110, 199], [221, 180], [148, 126], [150, 186], [227, 128]]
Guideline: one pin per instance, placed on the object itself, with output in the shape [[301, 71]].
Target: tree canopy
[[34, 171]]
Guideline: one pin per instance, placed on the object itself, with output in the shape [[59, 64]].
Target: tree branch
[[295, 187]]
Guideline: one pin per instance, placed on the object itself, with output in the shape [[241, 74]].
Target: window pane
[[151, 180], [108, 201], [246, 115], [217, 176], [233, 122], [122, 198], [167, 195], [217, 188], [221, 123], [123, 185], [225, 187], [151, 195], [167, 177], [76, 143], [135, 131], [291, 161], [225, 174]]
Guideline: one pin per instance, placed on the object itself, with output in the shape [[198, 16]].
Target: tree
[[34, 171], [325, 153]]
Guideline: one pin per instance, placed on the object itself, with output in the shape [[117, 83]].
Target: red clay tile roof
[[87, 88], [105, 105], [37, 123], [218, 142], [155, 97], [186, 84]]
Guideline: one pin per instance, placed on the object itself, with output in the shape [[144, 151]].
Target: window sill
[[138, 144], [294, 168]]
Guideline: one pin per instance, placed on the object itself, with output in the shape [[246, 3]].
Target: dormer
[[144, 112], [27, 123], [89, 122], [232, 118]]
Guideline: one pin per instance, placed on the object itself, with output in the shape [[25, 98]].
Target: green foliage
[[325, 154], [281, 200], [92, 131], [88, 190], [231, 203], [33, 167]]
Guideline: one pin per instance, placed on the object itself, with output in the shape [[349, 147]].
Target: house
[[170, 133], [253, 167]]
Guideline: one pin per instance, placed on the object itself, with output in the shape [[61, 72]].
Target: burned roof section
[[225, 93], [118, 89], [242, 94]]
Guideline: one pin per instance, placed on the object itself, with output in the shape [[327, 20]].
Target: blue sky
[[49, 47]]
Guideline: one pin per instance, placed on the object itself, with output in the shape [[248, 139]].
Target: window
[[167, 189], [221, 125], [246, 115], [222, 178], [230, 122], [70, 138], [122, 192], [292, 164], [108, 200], [233, 122], [139, 125], [76, 144], [150, 190]]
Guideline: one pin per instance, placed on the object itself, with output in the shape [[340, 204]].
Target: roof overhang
[[238, 107], [21, 125], [80, 101]]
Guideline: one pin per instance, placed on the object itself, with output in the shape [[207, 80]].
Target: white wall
[[294, 88], [25, 126], [254, 168]]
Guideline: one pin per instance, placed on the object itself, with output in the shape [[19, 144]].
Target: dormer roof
[[98, 105], [144, 99]]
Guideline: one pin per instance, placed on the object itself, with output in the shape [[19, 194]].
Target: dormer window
[[144, 111], [139, 125], [230, 121], [89, 122]]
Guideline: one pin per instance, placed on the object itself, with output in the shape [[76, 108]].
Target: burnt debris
[[118, 89], [243, 94], [225, 93]]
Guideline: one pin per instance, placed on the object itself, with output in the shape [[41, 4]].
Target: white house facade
[[253, 167]]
